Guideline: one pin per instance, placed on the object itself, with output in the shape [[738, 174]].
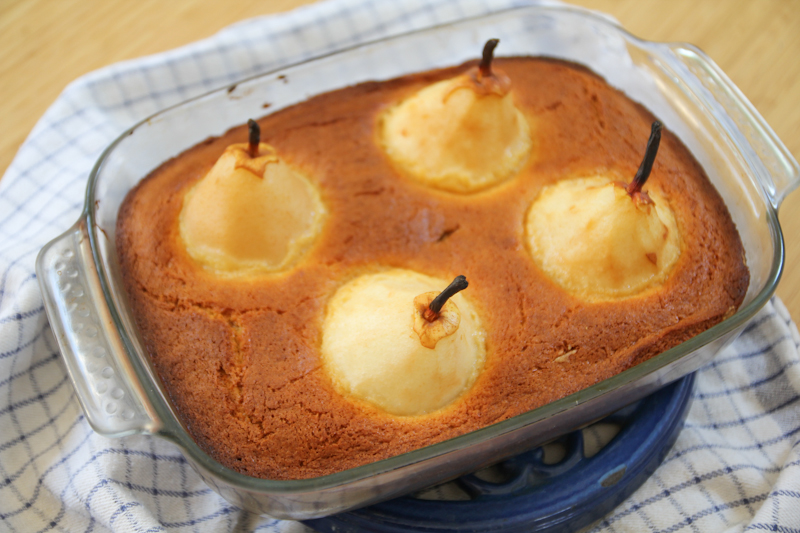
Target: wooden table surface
[[46, 44]]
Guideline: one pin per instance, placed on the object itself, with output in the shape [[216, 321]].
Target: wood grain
[[48, 43]]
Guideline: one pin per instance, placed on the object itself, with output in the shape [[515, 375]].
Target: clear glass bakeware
[[113, 376]]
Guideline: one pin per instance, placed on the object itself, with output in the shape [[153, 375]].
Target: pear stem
[[488, 55], [649, 157], [458, 285], [254, 139]]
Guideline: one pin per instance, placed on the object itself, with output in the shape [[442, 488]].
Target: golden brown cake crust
[[240, 359]]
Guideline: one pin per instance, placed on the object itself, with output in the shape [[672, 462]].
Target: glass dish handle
[[780, 174], [94, 354]]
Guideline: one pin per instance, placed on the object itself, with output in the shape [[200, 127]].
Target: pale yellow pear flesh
[[372, 353], [596, 241], [456, 136], [250, 215]]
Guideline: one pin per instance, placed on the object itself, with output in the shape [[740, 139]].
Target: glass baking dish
[[113, 376]]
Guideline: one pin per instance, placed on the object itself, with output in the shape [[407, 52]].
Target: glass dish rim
[[174, 430]]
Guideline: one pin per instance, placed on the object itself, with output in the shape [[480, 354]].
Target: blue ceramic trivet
[[534, 496]]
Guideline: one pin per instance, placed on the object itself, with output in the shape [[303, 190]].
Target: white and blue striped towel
[[735, 467]]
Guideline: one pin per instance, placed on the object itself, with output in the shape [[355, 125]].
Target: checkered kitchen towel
[[735, 467]]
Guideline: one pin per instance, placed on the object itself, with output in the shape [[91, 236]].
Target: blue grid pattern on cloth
[[736, 466]]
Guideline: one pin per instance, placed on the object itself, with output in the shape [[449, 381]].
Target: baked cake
[[240, 355]]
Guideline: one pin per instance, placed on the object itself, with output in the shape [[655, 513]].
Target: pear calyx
[[257, 164], [253, 156], [435, 316]]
